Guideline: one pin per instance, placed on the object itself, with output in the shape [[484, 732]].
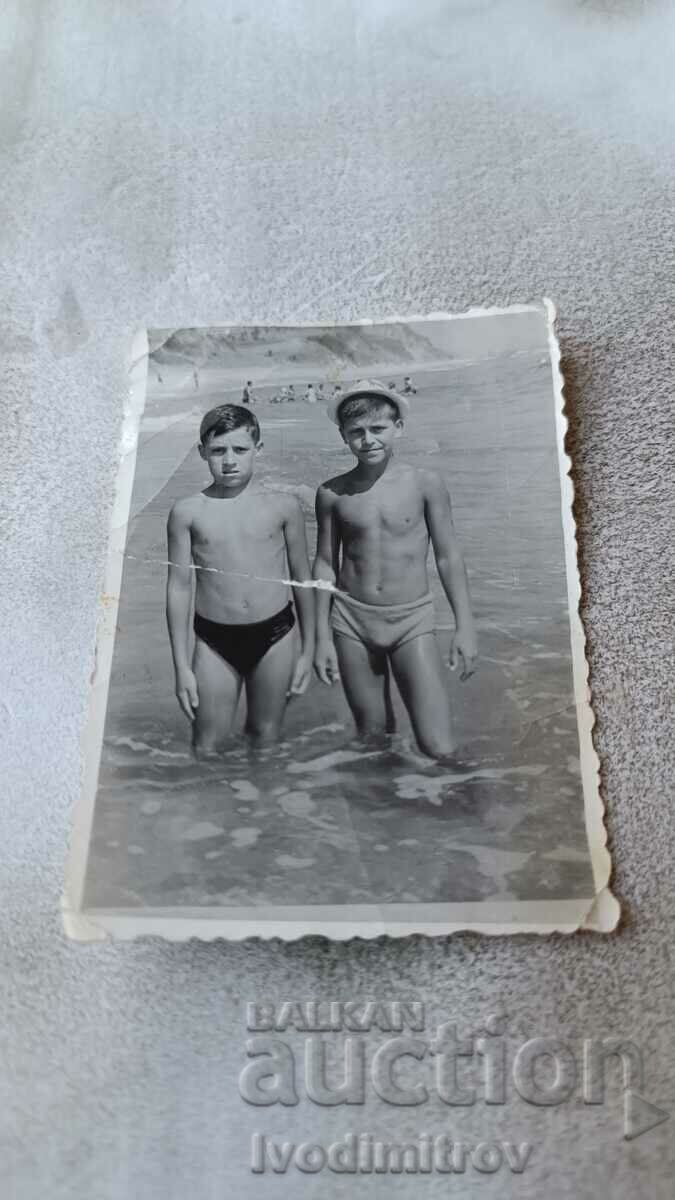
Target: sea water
[[323, 817]]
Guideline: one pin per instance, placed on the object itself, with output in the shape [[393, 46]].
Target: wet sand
[[323, 819]]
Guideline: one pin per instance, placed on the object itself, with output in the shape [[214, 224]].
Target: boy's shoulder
[[337, 485], [407, 476], [281, 503], [427, 479], [185, 507]]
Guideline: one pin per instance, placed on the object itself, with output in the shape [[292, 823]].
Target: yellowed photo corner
[[599, 912]]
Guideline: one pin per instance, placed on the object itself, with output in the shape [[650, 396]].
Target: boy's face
[[371, 436], [230, 457]]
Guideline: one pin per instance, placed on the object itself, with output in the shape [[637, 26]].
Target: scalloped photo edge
[[598, 912]]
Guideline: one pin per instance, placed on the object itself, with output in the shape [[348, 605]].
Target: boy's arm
[[178, 604], [298, 565], [452, 571], [325, 570]]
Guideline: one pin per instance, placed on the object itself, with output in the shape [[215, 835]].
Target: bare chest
[[394, 509], [239, 533]]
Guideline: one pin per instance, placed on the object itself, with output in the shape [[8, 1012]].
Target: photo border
[[599, 912]]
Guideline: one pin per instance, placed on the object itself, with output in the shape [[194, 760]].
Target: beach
[[323, 818]]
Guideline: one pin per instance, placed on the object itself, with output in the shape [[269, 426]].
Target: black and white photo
[[341, 684]]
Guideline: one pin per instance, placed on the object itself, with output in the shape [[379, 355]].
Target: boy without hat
[[239, 543]]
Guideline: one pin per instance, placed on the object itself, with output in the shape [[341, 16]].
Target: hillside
[[330, 349]]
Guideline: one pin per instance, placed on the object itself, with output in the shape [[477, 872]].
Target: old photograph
[[340, 681]]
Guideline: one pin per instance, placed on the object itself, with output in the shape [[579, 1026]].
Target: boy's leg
[[365, 678], [218, 688], [419, 673], [267, 689]]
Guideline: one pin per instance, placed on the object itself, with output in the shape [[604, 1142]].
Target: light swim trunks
[[382, 627]]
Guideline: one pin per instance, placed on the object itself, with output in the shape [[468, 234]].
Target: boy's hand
[[186, 691], [463, 645], [326, 662], [301, 675]]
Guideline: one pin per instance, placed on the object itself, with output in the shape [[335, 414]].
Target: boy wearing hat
[[375, 612], [239, 543]]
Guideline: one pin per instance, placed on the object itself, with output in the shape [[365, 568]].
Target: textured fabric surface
[[170, 164]]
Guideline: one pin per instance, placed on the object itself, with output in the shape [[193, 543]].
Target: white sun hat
[[366, 387]]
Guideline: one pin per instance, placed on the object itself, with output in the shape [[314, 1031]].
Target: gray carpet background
[[172, 164]]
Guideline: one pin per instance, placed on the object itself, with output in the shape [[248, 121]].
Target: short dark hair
[[364, 405], [227, 417]]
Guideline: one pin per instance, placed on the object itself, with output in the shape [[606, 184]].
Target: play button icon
[[640, 1115]]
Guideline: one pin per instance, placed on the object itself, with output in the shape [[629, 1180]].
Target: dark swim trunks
[[243, 646]]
